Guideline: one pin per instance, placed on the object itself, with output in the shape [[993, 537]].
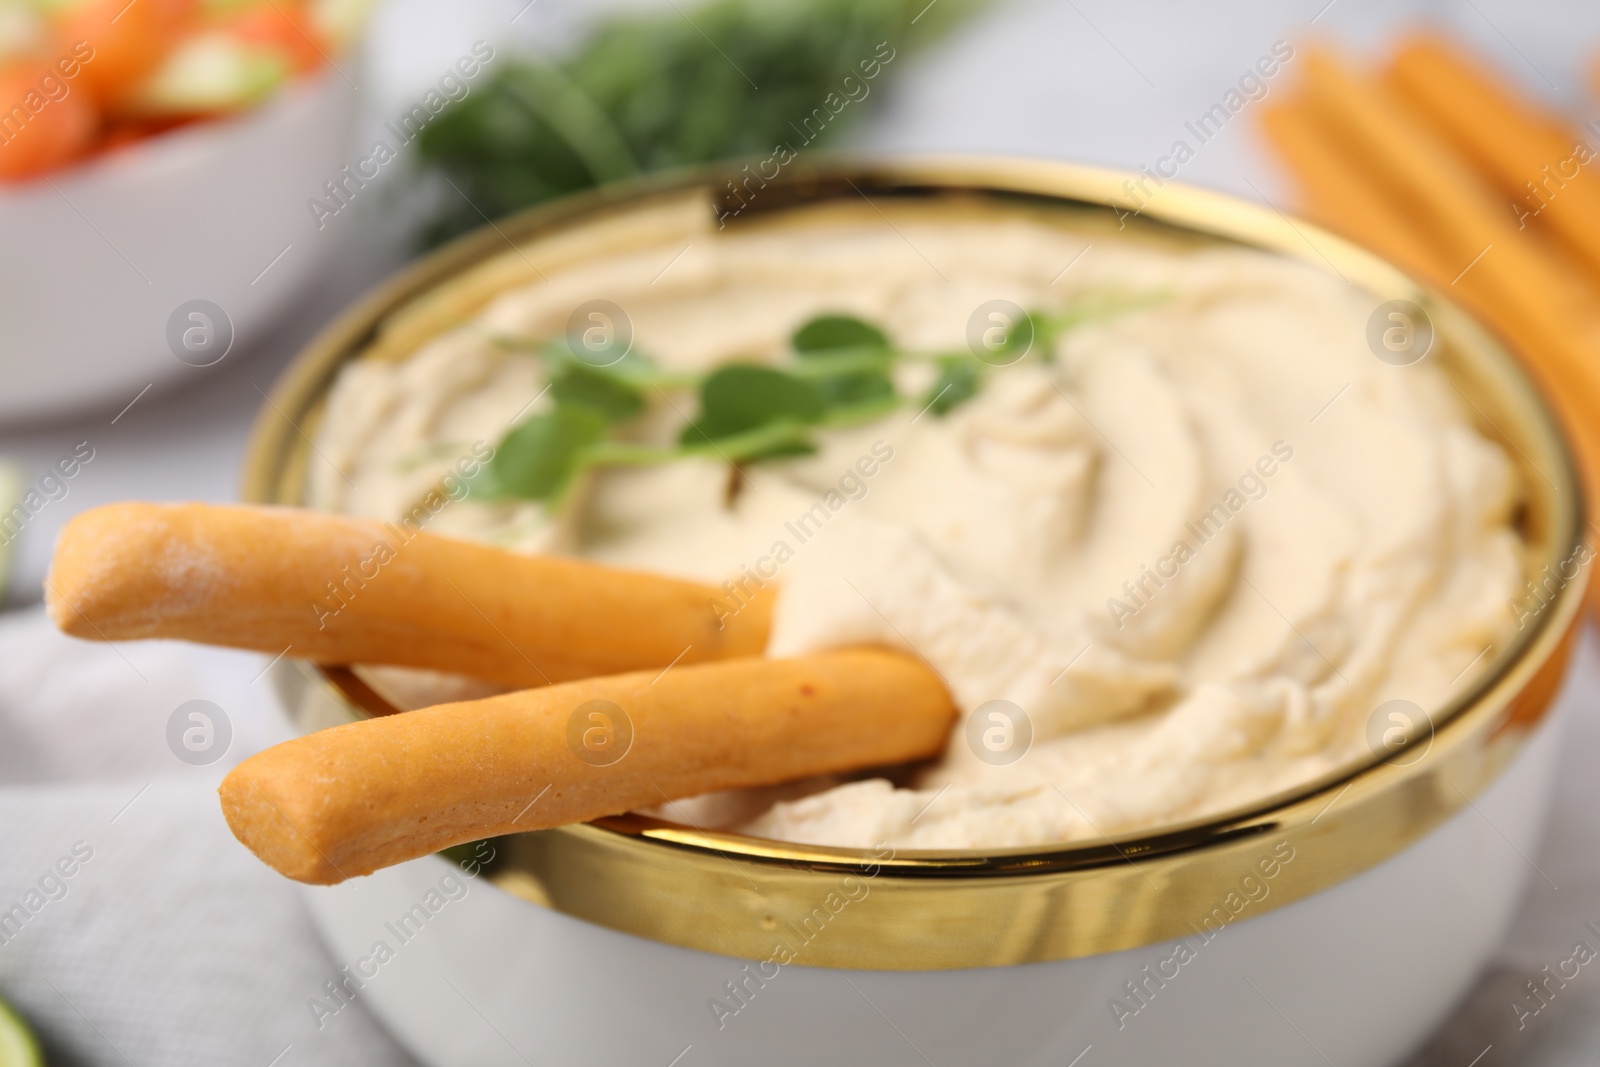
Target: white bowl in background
[[97, 259]]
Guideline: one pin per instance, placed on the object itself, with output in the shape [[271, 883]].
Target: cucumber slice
[[51, 8], [211, 72], [18, 1047], [339, 21], [10, 495], [21, 29]]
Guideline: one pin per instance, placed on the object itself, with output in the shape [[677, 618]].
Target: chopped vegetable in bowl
[[18, 1047], [80, 77]]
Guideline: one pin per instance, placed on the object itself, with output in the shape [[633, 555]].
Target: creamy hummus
[[1197, 550]]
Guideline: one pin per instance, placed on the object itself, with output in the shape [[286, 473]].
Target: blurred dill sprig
[[647, 92]]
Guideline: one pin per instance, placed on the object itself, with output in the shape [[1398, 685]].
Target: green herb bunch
[[840, 372], [647, 92]]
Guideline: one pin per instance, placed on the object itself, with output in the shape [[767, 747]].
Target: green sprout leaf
[[849, 378], [740, 396], [855, 390], [773, 440], [613, 396], [827, 333], [1020, 337], [957, 383], [842, 374], [538, 459], [634, 368]]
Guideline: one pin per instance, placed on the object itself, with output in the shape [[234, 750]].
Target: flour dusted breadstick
[[349, 800], [1338, 195], [341, 590], [1534, 157], [1519, 289]]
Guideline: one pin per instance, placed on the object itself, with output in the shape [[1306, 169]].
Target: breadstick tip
[[260, 824], [90, 547]]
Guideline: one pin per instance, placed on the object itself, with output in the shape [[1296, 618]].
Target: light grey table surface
[[1086, 80]]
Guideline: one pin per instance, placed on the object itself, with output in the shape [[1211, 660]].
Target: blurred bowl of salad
[[156, 158]]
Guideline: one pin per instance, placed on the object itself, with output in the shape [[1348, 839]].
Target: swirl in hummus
[[1197, 548]]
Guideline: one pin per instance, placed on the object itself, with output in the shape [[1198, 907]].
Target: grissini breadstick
[[342, 590], [1337, 195], [1503, 273], [1461, 214], [1537, 162], [348, 800]]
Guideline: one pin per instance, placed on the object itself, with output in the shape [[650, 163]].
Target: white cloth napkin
[[171, 945], [168, 944]]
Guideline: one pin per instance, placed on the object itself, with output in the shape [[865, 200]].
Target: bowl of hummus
[[1251, 566]]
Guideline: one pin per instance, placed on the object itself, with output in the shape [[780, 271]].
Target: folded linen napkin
[[133, 928]]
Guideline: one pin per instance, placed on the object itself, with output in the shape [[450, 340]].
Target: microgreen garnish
[[740, 397], [612, 396], [538, 458], [841, 373], [831, 333], [957, 383]]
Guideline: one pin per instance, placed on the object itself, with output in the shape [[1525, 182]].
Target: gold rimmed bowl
[[1336, 922]]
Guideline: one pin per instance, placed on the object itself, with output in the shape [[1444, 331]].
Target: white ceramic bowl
[[98, 258], [1336, 923], [1356, 975]]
